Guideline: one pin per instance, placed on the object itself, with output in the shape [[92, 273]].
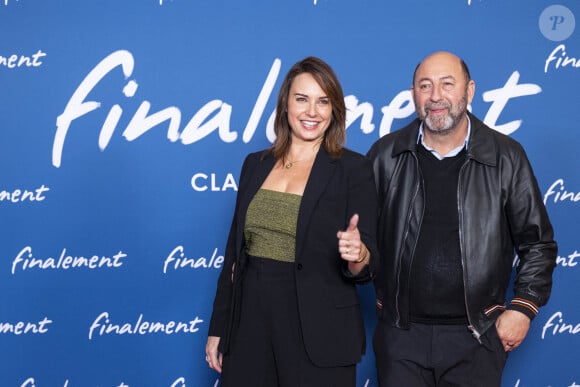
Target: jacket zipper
[[417, 186], [473, 330]]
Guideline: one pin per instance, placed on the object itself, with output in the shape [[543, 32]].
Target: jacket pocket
[[346, 299]]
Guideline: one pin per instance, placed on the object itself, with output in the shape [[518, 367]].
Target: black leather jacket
[[500, 212]]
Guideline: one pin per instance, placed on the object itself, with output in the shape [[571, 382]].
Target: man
[[457, 199]]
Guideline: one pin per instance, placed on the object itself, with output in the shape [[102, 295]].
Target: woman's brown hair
[[335, 136]]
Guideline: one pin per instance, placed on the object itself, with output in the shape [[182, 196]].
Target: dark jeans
[[437, 355]]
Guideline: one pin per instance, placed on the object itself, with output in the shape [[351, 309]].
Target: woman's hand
[[351, 248], [212, 355]]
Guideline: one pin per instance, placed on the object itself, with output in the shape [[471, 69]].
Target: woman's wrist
[[364, 255]]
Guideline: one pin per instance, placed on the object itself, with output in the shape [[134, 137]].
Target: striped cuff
[[527, 307], [493, 309]]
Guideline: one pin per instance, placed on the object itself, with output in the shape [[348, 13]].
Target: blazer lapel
[[320, 175]]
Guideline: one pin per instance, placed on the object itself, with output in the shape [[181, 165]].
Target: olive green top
[[270, 230]]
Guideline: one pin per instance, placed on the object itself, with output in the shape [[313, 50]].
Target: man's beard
[[443, 125]]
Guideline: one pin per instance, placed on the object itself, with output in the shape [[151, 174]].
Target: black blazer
[[328, 302]]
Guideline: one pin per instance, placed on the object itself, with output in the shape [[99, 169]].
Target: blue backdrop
[[123, 125]]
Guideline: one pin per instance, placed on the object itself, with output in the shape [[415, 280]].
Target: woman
[[286, 311]]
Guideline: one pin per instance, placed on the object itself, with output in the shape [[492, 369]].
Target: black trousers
[[437, 355], [267, 348]]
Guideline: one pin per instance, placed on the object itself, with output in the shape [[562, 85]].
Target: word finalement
[[15, 60], [569, 260], [573, 384], [560, 59], [22, 328], [558, 193], [556, 325], [19, 195], [215, 115], [181, 382], [177, 260], [25, 260], [563, 261], [103, 326], [30, 382]]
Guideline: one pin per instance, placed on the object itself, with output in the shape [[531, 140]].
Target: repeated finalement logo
[[559, 193], [557, 23]]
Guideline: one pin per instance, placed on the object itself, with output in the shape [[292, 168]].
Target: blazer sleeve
[[224, 294]]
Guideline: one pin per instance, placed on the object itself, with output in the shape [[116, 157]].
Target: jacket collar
[[482, 147]]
